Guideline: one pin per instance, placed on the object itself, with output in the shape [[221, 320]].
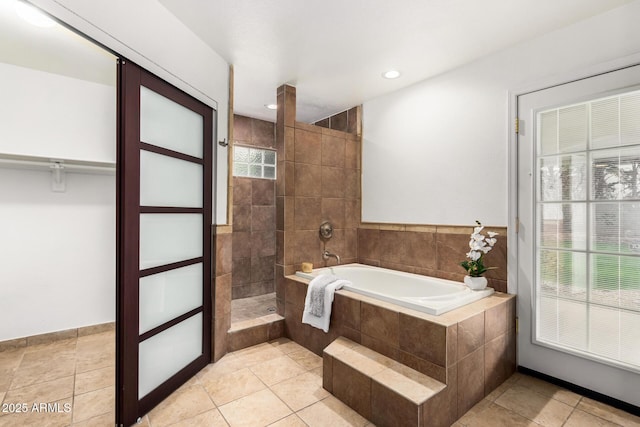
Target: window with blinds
[[588, 229]]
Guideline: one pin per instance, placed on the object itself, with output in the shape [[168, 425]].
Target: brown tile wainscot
[[471, 350]]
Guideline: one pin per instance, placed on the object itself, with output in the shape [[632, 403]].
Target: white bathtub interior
[[422, 293]]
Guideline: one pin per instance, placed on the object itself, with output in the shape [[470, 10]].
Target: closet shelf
[[14, 161]]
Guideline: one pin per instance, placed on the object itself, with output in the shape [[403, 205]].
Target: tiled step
[[380, 389], [255, 331]]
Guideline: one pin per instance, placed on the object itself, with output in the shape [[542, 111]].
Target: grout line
[[568, 417], [223, 417]]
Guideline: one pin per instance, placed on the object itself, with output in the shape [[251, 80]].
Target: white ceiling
[[334, 51], [55, 49]]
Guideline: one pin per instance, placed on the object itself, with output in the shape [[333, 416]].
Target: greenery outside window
[[588, 229]]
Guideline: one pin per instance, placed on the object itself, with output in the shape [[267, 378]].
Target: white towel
[[319, 297], [315, 293]]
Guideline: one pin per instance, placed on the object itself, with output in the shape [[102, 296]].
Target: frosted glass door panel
[[169, 238], [162, 355], [165, 296], [167, 181], [169, 125]]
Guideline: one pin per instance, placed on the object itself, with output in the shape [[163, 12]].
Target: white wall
[[49, 115], [437, 152], [145, 32], [57, 257], [57, 254]]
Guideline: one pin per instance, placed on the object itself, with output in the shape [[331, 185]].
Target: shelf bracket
[[58, 177]]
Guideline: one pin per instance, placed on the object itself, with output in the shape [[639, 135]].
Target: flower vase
[[475, 283]]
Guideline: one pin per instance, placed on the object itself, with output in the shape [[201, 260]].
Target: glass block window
[[254, 162], [588, 229]]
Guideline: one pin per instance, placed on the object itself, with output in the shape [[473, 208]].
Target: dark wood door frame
[[130, 77]]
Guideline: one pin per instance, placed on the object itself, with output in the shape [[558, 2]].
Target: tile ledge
[[446, 319], [258, 321]]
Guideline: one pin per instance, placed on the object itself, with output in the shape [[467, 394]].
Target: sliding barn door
[[164, 220]]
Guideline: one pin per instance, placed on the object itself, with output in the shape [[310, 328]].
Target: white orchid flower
[[477, 245], [473, 255], [477, 237]]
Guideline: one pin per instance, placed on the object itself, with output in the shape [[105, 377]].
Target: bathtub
[[422, 293]]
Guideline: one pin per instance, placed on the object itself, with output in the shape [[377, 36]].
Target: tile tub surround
[[430, 250], [470, 349]]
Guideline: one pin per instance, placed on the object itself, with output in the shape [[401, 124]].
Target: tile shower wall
[[318, 180], [222, 242], [254, 217], [346, 121]]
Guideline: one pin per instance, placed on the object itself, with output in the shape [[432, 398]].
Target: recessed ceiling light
[[33, 15], [271, 106], [391, 74]]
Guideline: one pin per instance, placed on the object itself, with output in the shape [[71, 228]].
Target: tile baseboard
[[56, 336]]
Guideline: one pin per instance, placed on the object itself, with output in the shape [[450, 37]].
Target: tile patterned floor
[[253, 307], [271, 384], [75, 377]]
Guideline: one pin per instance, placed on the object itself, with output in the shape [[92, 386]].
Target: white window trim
[[512, 148]]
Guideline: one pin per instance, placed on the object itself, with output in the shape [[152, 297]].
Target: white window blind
[[588, 229]]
